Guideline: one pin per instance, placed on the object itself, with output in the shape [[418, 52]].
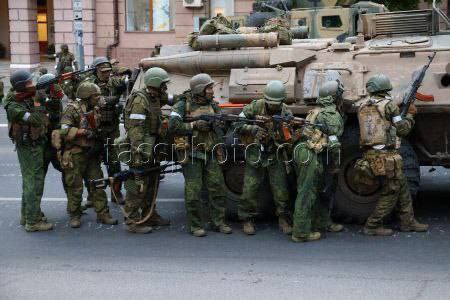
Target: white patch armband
[[26, 116], [175, 114], [396, 119], [137, 117], [333, 138], [242, 115], [65, 126]]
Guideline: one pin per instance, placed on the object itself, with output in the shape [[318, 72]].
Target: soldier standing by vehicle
[[80, 156], [27, 128], [381, 127], [143, 125], [318, 146], [202, 153], [263, 156], [65, 59], [112, 87]]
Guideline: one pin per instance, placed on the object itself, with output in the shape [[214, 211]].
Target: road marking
[[49, 199]]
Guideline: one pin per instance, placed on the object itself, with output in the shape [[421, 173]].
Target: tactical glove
[[259, 132], [412, 110], [202, 125]]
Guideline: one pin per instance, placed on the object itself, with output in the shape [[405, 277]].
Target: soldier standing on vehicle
[[317, 149], [27, 128], [65, 59], [263, 156], [112, 87], [81, 156], [143, 125], [381, 129], [202, 153]]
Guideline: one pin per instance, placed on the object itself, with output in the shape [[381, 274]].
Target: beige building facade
[[124, 29]]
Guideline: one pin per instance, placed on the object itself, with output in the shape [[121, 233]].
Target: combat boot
[[312, 236], [334, 227], [381, 231], [39, 226], [23, 222], [284, 225], [142, 229], [105, 218], [248, 228], [414, 226], [223, 228], [75, 222], [157, 220], [199, 232]]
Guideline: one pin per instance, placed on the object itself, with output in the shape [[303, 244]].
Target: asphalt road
[[106, 261]]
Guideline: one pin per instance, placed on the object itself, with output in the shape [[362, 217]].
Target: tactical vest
[[315, 139], [21, 133], [85, 120], [152, 122], [375, 129]]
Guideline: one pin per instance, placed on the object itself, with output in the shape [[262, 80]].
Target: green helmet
[[155, 77], [19, 79], [45, 78], [87, 89], [331, 88], [378, 83], [275, 92], [199, 83], [100, 61]]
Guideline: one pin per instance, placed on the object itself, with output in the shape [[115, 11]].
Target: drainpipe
[[116, 30]]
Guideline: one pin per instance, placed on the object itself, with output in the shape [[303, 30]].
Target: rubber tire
[[350, 207], [258, 19]]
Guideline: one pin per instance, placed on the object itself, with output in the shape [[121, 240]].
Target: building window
[[331, 21], [150, 15]]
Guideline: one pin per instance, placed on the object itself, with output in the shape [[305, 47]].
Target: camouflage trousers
[[254, 177], [84, 168], [110, 155], [31, 160], [137, 201], [196, 173], [309, 213], [393, 192]]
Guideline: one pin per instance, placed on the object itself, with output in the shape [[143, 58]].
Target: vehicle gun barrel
[[230, 41]]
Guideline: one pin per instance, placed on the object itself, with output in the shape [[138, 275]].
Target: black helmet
[[19, 79]]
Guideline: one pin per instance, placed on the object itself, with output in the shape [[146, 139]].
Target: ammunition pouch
[[181, 149], [107, 115], [363, 173], [316, 139], [21, 133], [387, 164]]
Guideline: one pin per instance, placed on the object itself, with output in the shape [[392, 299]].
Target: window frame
[[150, 20]]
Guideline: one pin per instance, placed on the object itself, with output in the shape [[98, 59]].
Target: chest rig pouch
[[316, 140]]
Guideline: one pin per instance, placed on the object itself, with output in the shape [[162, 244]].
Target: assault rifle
[[62, 77], [223, 118], [410, 97], [295, 121], [124, 175]]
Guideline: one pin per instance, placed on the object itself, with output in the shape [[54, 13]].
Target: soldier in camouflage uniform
[[262, 157], [281, 26], [311, 152], [381, 127], [65, 59], [27, 127], [51, 98], [112, 87], [81, 158], [143, 125], [199, 155], [2, 88]]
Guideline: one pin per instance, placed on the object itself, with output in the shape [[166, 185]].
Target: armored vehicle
[[394, 43]]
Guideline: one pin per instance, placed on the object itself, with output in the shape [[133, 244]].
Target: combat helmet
[[19, 79], [199, 83], [44, 79], [155, 77], [275, 92], [101, 60], [332, 88], [87, 89], [378, 83]]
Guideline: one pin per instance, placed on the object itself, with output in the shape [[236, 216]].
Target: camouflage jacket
[[65, 60], [142, 117], [27, 123], [52, 102]]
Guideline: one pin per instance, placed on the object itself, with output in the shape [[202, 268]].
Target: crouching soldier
[[202, 154], [27, 128], [143, 125], [81, 156], [381, 128], [316, 145]]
